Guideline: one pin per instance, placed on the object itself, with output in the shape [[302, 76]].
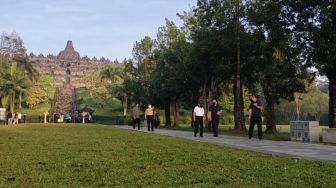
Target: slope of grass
[[95, 156], [39, 109], [110, 113]]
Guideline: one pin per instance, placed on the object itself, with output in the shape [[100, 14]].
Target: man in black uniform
[[255, 112], [215, 111]]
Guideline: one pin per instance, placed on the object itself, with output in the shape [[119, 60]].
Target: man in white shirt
[[198, 119]]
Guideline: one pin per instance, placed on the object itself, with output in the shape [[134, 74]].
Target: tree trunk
[[205, 104], [297, 105], [20, 101], [211, 90], [238, 110], [125, 105], [243, 126], [176, 112], [12, 103], [195, 99], [237, 93], [332, 103], [4, 101], [167, 112], [270, 110]]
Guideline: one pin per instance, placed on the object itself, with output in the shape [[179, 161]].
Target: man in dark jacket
[[215, 111], [255, 112]]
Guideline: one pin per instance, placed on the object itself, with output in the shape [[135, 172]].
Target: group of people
[[213, 115], [84, 117], [14, 118], [62, 118], [152, 118]]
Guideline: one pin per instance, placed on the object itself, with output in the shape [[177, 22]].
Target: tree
[[99, 95], [26, 67], [15, 82], [314, 23], [223, 23], [47, 84], [112, 77], [35, 96], [11, 45], [278, 59], [170, 76]]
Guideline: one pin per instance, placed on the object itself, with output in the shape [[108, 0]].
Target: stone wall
[[68, 63]]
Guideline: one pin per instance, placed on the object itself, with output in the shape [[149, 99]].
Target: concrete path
[[296, 150]]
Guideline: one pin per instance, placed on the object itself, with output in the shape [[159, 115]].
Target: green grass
[[37, 110], [282, 135], [96, 156], [110, 113]]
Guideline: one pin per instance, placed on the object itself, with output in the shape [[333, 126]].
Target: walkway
[[64, 100], [296, 150]]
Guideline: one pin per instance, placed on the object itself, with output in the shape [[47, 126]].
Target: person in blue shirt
[[255, 112], [215, 111]]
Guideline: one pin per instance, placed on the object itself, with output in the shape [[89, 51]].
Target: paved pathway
[[297, 150]]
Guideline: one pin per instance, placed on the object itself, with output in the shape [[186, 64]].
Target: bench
[[329, 135]]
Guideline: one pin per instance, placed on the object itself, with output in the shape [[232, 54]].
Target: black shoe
[[195, 135], [215, 135], [201, 136]]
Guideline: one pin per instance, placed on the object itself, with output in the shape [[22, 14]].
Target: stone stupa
[[69, 52]]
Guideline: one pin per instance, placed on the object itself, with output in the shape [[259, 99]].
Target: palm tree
[[15, 82], [3, 94], [111, 75], [27, 67]]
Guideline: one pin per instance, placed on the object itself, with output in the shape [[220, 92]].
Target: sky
[[100, 28]]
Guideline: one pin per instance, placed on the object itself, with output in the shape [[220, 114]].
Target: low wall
[[329, 135]]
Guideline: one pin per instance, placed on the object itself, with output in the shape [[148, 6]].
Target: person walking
[[215, 111], [9, 118], [255, 112], [16, 118], [20, 117], [149, 116], [136, 116], [198, 119]]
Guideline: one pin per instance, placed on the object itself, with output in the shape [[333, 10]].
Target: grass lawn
[[98, 156]]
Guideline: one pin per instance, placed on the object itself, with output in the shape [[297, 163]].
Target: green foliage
[[47, 84], [36, 95], [313, 105], [15, 83], [110, 114]]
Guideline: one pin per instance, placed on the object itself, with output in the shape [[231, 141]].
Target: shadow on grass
[[228, 130]]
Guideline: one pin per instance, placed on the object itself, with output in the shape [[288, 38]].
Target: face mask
[[213, 103]]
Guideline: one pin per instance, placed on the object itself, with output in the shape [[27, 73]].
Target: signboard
[[2, 114], [304, 131]]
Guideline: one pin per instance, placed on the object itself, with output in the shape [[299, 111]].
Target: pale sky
[[101, 28]]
